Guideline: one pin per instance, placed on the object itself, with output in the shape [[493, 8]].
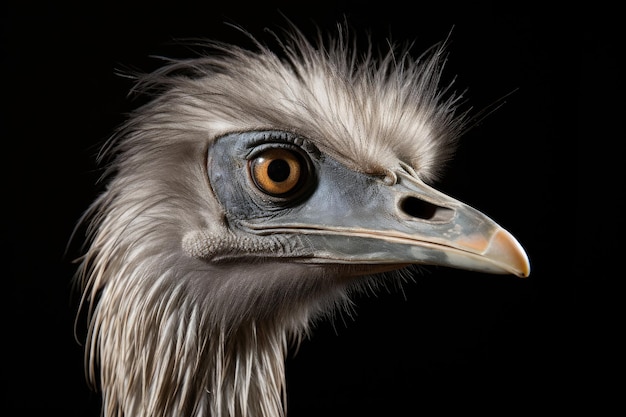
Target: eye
[[279, 172]]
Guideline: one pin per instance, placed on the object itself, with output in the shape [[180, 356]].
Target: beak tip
[[508, 252], [523, 273], [526, 271]]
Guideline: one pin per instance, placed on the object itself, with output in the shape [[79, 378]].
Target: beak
[[364, 220]]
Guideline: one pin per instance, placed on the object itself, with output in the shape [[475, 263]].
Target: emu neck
[[178, 362]]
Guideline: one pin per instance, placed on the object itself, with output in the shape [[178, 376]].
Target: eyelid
[[263, 139]]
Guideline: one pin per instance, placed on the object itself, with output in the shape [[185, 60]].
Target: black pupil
[[278, 170]]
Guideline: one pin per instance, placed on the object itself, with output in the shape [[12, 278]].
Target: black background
[[543, 165]]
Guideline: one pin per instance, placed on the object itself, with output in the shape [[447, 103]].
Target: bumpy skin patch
[[208, 245]]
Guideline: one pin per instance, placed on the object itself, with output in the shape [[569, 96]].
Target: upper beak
[[366, 221]]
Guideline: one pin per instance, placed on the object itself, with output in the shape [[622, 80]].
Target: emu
[[253, 194]]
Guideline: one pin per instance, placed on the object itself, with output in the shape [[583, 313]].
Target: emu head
[[252, 195]]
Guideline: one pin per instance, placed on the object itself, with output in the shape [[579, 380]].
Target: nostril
[[424, 210]]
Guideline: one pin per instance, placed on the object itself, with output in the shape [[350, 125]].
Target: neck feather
[[174, 360]]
